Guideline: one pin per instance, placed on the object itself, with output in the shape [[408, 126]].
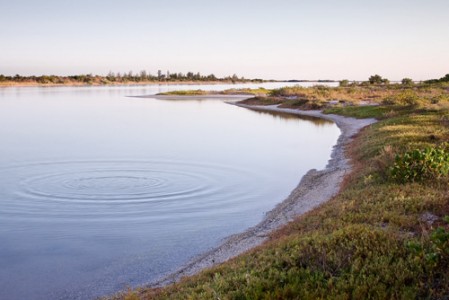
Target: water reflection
[[289, 116]]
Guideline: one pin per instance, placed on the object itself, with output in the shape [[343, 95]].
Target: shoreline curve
[[314, 188]]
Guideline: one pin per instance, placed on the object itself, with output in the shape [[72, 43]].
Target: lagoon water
[[100, 191]]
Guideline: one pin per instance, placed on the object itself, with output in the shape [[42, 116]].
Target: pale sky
[[281, 39]]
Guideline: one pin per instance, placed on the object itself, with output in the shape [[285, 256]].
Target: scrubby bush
[[440, 240], [344, 83], [288, 91], [439, 99], [405, 98], [407, 81], [441, 80], [377, 79], [436, 250], [420, 165]]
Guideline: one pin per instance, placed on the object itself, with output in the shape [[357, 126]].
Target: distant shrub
[[344, 83], [298, 102], [420, 165], [441, 80], [288, 91], [439, 99], [390, 100], [185, 93], [407, 81], [406, 98], [377, 79]]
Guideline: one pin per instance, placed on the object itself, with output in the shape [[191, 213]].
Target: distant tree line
[[377, 80], [167, 76], [372, 80], [441, 80], [125, 77]]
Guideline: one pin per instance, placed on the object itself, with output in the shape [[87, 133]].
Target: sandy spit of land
[[229, 98], [316, 187]]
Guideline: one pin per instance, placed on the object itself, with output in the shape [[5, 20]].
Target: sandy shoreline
[[314, 188]]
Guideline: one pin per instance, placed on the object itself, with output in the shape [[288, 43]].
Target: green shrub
[[439, 99], [406, 98], [440, 241], [435, 251], [419, 165], [344, 83], [377, 79], [407, 81], [288, 91], [185, 93]]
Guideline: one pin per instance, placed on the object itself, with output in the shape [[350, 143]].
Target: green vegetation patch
[[262, 101], [185, 93], [255, 92], [245, 91], [421, 164], [361, 112]]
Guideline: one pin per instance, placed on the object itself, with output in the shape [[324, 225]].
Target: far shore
[[130, 83], [315, 188]]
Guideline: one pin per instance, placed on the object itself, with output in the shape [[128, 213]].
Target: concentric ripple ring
[[115, 187]]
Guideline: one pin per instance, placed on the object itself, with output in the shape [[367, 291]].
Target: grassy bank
[[320, 97], [385, 235]]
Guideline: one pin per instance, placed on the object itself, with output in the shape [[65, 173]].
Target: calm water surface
[[99, 191]]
